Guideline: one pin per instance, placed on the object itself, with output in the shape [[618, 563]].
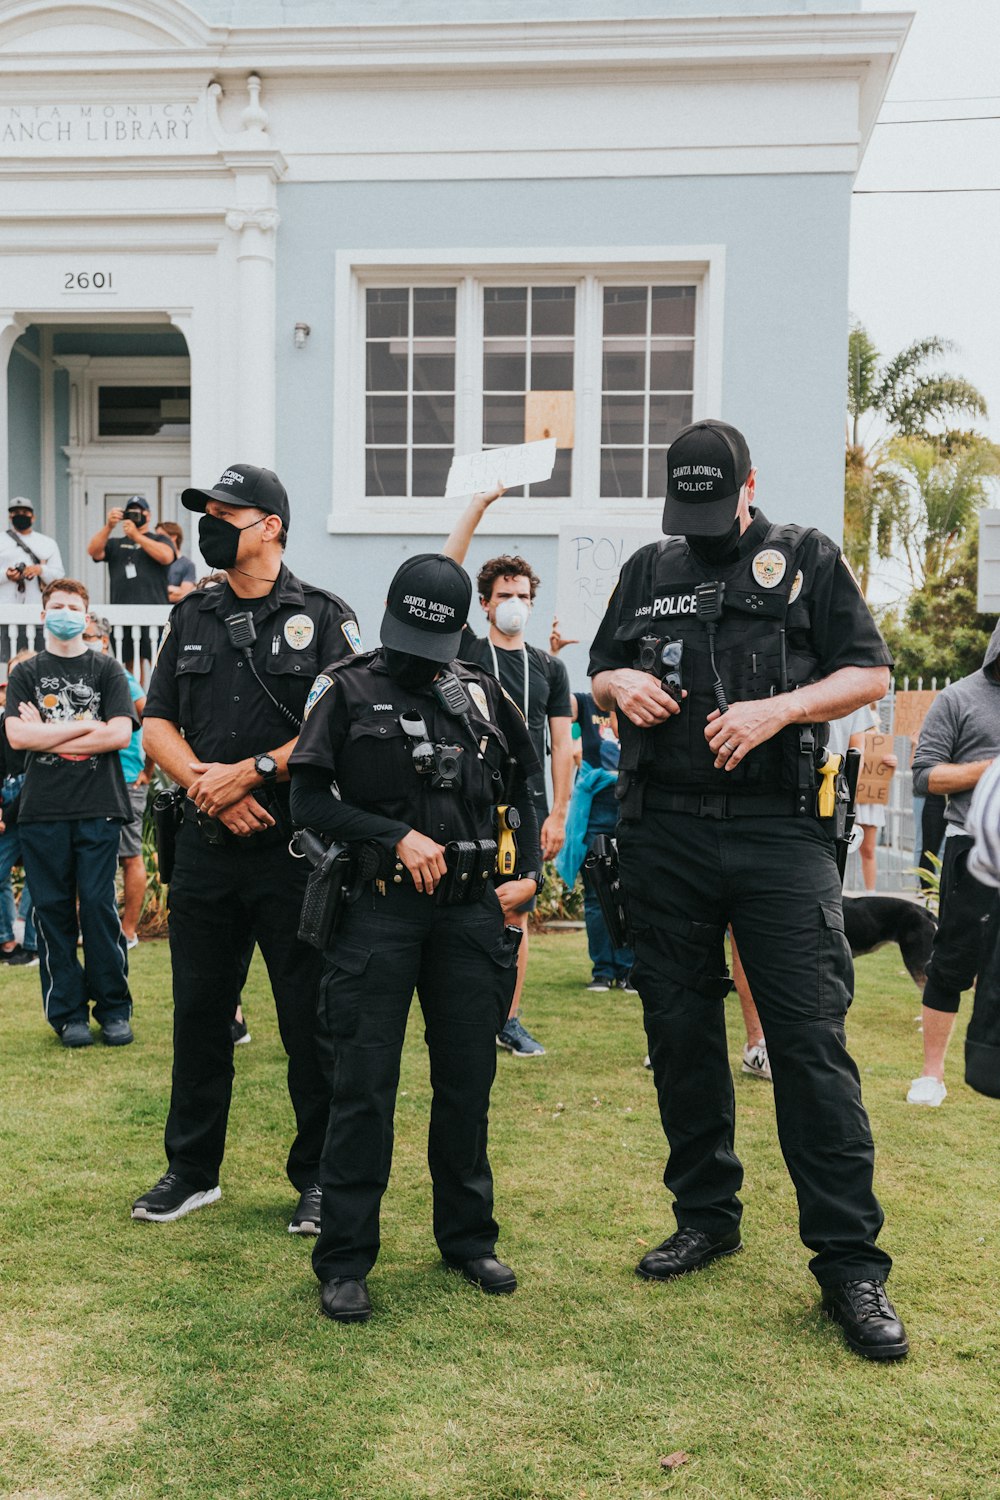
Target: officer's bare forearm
[[600, 687], [164, 743], [956, 777], [835, 696]]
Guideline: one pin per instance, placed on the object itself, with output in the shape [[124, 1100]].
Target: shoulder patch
[[796, 587], [352, 635], [478, 697], [321, 685]]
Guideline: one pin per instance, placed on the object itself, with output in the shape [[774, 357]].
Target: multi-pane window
[[410, 389], [528, 346], [647, 384], [476, 362]]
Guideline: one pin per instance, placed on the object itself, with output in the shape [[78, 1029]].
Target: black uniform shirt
[[134, 576], [352, 732], [203, 684], [827, 606]]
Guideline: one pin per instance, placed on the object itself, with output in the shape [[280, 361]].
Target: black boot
[[687, 1250], [345, 1299], [868, 1319]]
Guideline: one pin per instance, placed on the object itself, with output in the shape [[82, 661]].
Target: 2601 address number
[[87, 281]]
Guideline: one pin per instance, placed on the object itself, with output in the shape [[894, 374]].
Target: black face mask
[[410, 671], [219, 541], [22, 523], [716, 549], [137, 517]]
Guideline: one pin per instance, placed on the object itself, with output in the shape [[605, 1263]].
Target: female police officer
[[421, 749]]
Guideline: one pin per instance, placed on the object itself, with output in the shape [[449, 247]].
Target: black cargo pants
[[222, 899], [463, 968], [775, 879]]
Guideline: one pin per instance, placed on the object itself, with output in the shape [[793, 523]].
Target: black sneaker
[[868, 1319], [20, 958], [76, 1034], [345, 1299], [305, 1219], [241, 1034], [117, 1033], [171, 1199], [687, 1250]]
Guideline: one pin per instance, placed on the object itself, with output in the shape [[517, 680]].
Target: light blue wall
[[24, 413], [786, 242]]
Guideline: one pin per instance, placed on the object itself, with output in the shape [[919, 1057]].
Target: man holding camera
[[726, 649], [29, 562], [224, 708]]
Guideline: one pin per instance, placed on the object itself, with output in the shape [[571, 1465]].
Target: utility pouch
[[471, 863], [168, 813], [601, 864], [325, 888]]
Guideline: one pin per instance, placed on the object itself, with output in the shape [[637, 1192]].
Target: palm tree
[[944, 485], [900, 398]]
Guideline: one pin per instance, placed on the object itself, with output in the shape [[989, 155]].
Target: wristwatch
[[538, 876], [266, 767]]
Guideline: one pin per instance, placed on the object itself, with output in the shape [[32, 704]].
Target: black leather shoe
[[687, 1250], [345, 1299], [488, 1273], [867, 1318]]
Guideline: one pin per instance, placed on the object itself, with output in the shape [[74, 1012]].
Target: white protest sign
[[527, 463], [590, 560]]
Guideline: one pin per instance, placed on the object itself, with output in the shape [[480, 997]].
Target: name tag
[[130, 570]]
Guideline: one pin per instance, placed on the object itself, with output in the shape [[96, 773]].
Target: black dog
[[871, 921]]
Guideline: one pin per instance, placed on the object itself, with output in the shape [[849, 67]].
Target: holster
[[471, 863], [846, 810], [601, 864], [167, 813], [326, 886]]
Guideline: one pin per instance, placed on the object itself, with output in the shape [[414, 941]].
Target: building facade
[[350, 240]]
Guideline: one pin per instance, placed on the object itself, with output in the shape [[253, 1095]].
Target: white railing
[[21, 626]]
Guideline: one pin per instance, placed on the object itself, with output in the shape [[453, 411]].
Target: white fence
[[136, 630]]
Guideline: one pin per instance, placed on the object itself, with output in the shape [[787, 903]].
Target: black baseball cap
[[246, 485], [708, 463], [19, 503], [137, 502], [427, 607]]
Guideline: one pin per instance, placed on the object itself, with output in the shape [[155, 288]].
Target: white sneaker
[[756, 1062], [927, 1090]]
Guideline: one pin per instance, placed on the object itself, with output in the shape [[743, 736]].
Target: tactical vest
[[762, 646]]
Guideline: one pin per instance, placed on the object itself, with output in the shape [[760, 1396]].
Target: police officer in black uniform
[[223, 711], [718, 804], [423, 750]]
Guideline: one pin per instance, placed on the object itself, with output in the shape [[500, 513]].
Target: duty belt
[[721, 804]]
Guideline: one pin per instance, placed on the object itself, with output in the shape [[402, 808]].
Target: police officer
[[718, 804], [423, 749], [223, 711]]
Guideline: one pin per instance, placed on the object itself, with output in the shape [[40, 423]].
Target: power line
[[947, 99], [940, 120], [881, 192]]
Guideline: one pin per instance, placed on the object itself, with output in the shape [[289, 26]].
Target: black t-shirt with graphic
[[134, 576], [89, 688]]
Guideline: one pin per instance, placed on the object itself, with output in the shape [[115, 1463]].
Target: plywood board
[[550, 414]]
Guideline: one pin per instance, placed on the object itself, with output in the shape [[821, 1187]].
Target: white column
[[253, 368], [11, 328]]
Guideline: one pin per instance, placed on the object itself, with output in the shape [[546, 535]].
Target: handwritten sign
[[527, 463], [589, 562], [873, 783], [910, 711]]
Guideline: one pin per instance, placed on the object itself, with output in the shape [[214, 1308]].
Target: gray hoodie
[[962, 724]]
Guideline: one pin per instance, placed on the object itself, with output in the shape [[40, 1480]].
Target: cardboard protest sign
[[589, 562], [875, 778], [910, 711], [526, 463]]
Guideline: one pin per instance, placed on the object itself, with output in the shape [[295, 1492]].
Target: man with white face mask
[[539, 685]]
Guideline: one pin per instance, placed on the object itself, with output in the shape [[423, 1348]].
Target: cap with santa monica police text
[[708, 463], [244, 485], [427, 607]]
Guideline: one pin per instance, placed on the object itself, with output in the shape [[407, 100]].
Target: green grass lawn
[[190, 1360]]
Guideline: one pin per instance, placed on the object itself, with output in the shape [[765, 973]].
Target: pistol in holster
[[601, 864], [168, 814], [337, 875]]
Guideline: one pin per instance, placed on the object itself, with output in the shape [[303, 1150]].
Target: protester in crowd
[[848, 734], [593, 811], [138, 564], [958, 742], [15, 954], [97, 636], [225, 705], [181, 573], [70, 710], [982, 1040], [933, 826], [539, 686], [28, 561]]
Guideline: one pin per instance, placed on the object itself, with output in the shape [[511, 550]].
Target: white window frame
[[132, 370], [354, 512]]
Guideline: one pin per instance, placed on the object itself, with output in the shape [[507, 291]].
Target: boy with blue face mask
[[69, 710]]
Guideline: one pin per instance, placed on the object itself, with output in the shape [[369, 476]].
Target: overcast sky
[[923, 264]]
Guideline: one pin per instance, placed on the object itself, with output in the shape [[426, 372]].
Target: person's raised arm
[[99, 541], [464, 528], [160, 551]]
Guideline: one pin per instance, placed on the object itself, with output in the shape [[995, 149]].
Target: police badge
[[769, 568]]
